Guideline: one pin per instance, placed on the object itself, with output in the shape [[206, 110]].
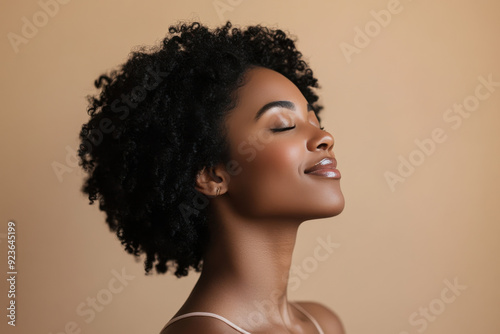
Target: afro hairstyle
[[158, 119]]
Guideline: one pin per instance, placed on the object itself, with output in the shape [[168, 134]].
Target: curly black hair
[[159, 119]]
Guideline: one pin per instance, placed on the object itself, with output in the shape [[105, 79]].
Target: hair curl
[[159, 119]]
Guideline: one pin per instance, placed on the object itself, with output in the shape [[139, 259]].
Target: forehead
[[261, 86]]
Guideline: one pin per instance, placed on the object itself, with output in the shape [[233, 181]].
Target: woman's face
[[271, 181]]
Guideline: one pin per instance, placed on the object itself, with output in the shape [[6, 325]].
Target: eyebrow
[[281, 104]]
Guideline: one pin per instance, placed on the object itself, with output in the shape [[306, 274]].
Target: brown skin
[[255, 219]]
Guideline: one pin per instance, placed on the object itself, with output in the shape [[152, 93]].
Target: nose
[[320, 140]]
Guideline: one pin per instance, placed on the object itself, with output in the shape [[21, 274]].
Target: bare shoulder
[[206, 325], [327, 319]]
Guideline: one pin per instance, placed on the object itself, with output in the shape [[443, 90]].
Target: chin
[[329, 203], [333, 207], [336, 209]]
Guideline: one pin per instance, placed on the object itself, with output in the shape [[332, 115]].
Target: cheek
[[274, 163], [276, 156], [280, 159]]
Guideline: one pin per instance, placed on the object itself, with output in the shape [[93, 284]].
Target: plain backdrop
[[417, 244]]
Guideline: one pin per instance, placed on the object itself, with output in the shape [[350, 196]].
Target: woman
[[207, 153]]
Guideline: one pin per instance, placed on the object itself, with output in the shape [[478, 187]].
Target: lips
[[325, 167]]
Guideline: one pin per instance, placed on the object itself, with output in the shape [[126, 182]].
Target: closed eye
[[283, 129]]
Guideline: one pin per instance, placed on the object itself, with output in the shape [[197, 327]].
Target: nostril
[[323, 146]]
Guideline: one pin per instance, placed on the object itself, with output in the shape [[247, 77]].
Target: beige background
[[396, 248]]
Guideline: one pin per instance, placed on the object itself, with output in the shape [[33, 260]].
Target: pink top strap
[[207, 314], [236, 327], [307, 314]]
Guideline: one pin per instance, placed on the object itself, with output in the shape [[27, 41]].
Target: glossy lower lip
[[332, 173]]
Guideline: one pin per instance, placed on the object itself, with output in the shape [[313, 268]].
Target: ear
[[211, 178]]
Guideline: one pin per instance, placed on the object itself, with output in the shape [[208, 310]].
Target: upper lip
[[325, 163]]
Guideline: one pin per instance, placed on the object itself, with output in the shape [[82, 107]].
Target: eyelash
[[283, 129], [289, 128]]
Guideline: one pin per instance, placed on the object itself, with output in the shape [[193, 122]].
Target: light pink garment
[[236, 327]]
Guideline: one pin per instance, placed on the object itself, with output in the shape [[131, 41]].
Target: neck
[[247, 265]]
